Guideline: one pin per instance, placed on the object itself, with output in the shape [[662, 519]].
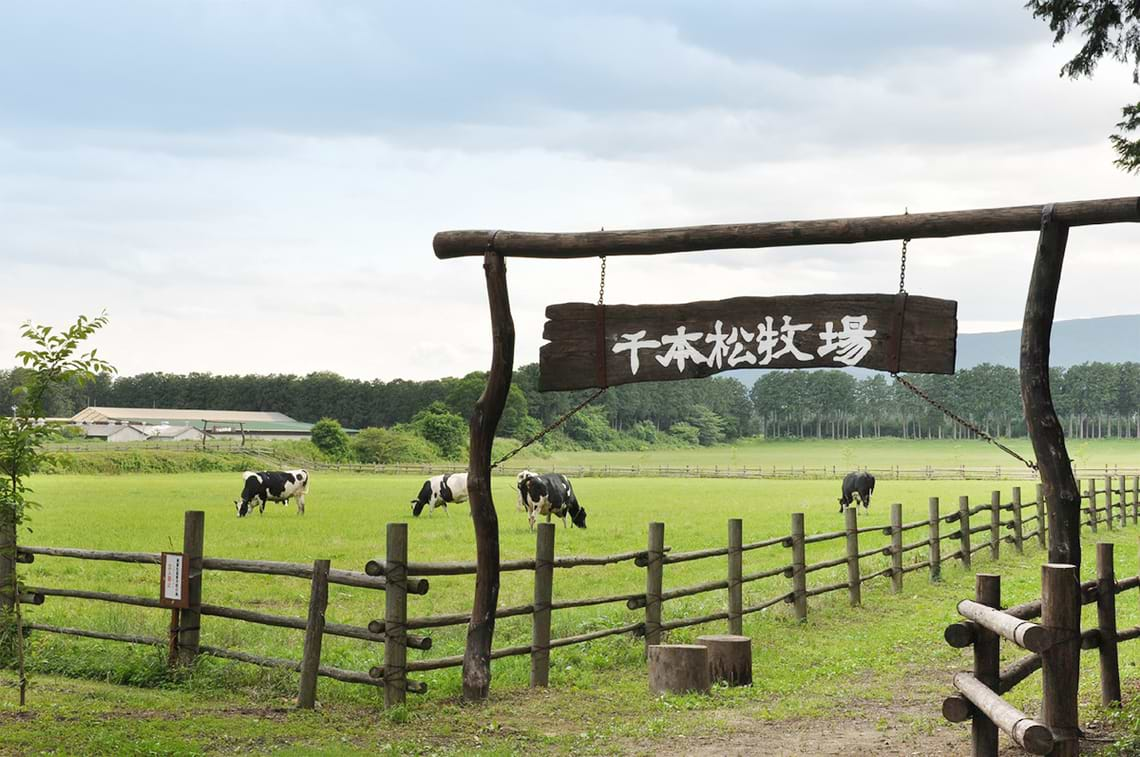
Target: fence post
[[314, 635], [854, 589], [935, 541], [735, 574], [896, 547], [1060, 662], [1106, 624], [1123, 500], [964, 533], [1092, 505], [1041, 516], [1135, 500], [190, 619], [1108, 502], [653, 581], [1017, 535], [987, 664], [543, 595], [396, 615], [995, 525], [799, 577]]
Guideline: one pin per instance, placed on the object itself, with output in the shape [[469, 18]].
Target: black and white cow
[[440, 491], [549, 494], [272, 486], [857, 484]]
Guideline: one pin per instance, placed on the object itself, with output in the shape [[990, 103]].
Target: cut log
[[678, 668], [730, 658]]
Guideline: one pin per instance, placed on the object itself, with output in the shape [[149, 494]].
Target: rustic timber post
[[655, 553], [7, 557], [1060, 661], [1041, 530], [1108, 502], [314, 635], [799, 563], [1017, 530], [1093, 519], [484, 422], [964, 533], [995, 525], [190, 619], [1106, 625], [543, 595], [1124, 501], [735, 574], [935, 541], [1042, 424], [1135, 500], [854, 589], [896, 547], [396, 615], [987, 665]]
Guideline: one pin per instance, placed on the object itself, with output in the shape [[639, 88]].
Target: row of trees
[[1093, 399]]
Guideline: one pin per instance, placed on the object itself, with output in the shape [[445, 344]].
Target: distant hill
[[1112, 339]]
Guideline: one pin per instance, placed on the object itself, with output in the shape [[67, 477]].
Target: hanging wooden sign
[[606, 345]]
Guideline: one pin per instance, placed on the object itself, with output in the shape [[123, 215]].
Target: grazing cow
[[857, 484], [440, 491], [275, 486], [549, 494]]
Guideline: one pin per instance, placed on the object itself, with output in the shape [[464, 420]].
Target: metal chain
[[574, 410], [902, 263], [960, 420]]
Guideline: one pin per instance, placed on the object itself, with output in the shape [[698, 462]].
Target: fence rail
[[1108, 501]]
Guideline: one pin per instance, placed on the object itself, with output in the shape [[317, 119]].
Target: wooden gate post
[[964, 533], [735, 574], [396, 615], [799, 563], [854, 588], [1017, 530], [896, 547], [543, 595], [995, 525], [1041, 521], [935, 541], [987, 664], [655, 553], [1106, 624], [1092, 505], [1108, 502], [190, 619], [314, 635], [1060, 662]]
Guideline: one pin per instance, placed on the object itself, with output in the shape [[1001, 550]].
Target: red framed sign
[[174, 581]]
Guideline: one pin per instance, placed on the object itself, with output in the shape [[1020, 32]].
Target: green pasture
[[890, 646]]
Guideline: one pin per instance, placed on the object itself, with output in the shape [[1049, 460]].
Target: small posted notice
[[174, 583]]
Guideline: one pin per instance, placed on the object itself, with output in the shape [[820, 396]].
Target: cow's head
[[579, 518], [421, 499], [243, 507]]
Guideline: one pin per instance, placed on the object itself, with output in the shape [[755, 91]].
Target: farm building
[[188, 425]]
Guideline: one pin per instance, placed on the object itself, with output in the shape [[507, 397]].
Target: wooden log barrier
[[543, 597], [935, 541], [995, 525], [1108, 502], [1060, 662], [1033, 737], [1092, 505], [896, 548], [1018, 528], [799, 565], [730, 658], [1025, 634], [678, 668], [987, 662], [396, 616], [1135, 500], [655, 551], [735, 573], [1106, 625], [190, 618], [964, 530], [314, 635], [854, 583], [1041, 521]]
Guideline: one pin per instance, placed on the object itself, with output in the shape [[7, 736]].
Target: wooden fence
[[1009, 521], [1054, 646]]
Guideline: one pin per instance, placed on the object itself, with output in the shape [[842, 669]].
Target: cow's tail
[[305, 486]]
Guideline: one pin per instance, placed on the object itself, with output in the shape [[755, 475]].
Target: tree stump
[[730, 658], [678, 668]]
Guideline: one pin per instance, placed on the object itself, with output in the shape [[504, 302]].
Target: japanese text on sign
[[739, 346], [172, 576]]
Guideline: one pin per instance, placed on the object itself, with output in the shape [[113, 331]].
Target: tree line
[[1093, 400]]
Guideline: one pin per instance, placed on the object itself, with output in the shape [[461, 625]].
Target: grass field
[[886, 649]]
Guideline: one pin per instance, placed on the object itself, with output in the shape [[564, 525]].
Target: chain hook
[[902, 262]]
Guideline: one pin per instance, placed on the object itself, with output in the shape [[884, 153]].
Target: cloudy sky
[[252, 186]]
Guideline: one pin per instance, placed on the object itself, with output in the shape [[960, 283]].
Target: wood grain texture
[[570, 359]]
